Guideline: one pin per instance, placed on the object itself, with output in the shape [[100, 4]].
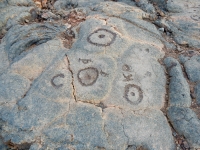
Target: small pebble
[[161, 29], [68, 25], [34, 14], [185, 144], [174, 134], [178, 48], [27, 21]]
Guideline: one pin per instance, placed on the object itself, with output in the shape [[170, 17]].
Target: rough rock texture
[[192, 67], [179, 92], [197, 92], [183, 22], [10, 10], [183, 119], [79, 75], [186, 123]]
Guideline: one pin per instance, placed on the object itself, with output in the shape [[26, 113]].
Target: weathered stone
[[170, 46], [2, 145], [174, 6], [85, 120], [47, 99], [186, 123], [20, 38], [143, 129], [4, 62], [146, 6], [179, 92], [192, 67], [183, 22], [13, 12], [197, 93], [32, 64], [124, 126], [113, 127], [104, 92], [12, 87], [160, 3]]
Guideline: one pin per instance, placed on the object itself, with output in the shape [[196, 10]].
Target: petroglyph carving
[[85, 61], [102, 37], [133, 94], [56, 76], [128, 77], [88, 76], [104, 74]]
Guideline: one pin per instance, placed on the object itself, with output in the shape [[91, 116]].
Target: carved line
[[128, 77], [104, 74], [85, 61], [52, 81]]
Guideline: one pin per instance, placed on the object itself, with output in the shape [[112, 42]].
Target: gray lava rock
[[170, 46], [2, 145], [192, 67], [183, 22], [173, 7], [20, 38], [12, 87], [146, 6], [139, 129], [186, 123], [160, 3], [179, 92], [70, 4], [19, 13], [105, 92], [41, 104], [4, 62], [197, 93]]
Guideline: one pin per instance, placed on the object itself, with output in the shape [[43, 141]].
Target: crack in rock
[[72, 83]]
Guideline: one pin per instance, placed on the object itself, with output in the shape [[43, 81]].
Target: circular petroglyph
[[133, 94], [56, 76], [195, 17], [88, 76], [102, 37]]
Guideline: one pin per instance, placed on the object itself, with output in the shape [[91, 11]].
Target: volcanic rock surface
[[99, 74]]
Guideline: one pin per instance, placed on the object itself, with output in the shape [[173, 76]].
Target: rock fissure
[[72, 76]]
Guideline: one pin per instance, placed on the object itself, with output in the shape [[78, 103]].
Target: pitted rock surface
[[79, 75]]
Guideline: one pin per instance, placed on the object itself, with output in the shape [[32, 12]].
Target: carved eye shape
[[102, 37], [133, 94], [88, 76]]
